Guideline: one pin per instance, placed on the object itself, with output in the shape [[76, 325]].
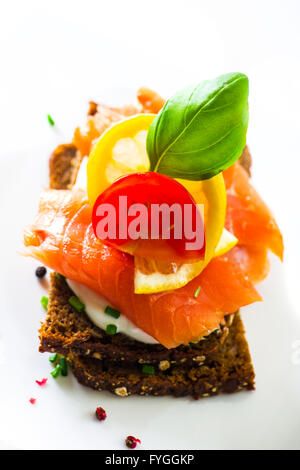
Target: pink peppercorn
[[41, 382], [132, 442], [32, 400], [100, 413]]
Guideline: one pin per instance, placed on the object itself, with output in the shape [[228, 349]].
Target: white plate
[[63, 416]]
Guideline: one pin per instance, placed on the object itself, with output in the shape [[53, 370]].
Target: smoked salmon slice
[[103, 117], [247, 215], [62, 238], [253, 224], [252, 260]]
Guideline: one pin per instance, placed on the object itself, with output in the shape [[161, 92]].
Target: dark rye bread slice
[[72, 334], [63, 166], [228, 370]]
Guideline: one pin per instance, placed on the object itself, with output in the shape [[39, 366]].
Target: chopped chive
[[112, 312], [44, 302], [55, 373], [64, 366], [148, 369], [76, 303], [50, 120], [111, 329], [53, 358], [60, 276], [197, 292]]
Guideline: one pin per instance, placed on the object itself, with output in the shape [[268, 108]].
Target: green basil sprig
[[201, 130]]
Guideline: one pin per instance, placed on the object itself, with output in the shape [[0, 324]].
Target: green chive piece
[[76, 303], [44, 302], [64, 366], [112, 312], [60, 276], [148, 369], [53, 358], [197, 292], [55, 373], [111, 329], [50, 120]]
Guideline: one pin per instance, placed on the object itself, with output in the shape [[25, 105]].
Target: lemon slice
[[226, 242], [121, 150], [146, 282]]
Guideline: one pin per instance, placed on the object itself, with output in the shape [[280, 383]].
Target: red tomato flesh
[[152, 216]]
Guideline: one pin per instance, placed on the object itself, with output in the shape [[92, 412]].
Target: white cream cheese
[[94, 307]]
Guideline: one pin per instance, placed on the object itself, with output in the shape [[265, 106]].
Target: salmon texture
[[62, 238]]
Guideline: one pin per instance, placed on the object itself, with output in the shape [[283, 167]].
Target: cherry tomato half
[[152, 216]]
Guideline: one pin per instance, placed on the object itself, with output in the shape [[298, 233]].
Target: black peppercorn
[[40, 271]]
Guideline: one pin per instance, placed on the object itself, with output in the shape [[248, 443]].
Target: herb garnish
[[147, 369], [111, 329], [76, 303], [112, 312], [55, 373], [201, 130], [197, 292], [64, 366], [50, 120], [44, 302], [53, 358]]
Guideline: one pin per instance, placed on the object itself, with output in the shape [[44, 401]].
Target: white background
[[54, 57]]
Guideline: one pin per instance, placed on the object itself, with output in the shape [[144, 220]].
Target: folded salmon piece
[[62, 238], [248, 217]]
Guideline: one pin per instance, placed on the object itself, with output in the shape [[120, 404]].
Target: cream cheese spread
[[94, 307]]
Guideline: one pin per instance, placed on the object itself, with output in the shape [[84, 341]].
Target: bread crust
[[228, 370]]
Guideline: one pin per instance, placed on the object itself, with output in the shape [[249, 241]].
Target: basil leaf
[[201, 130]]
